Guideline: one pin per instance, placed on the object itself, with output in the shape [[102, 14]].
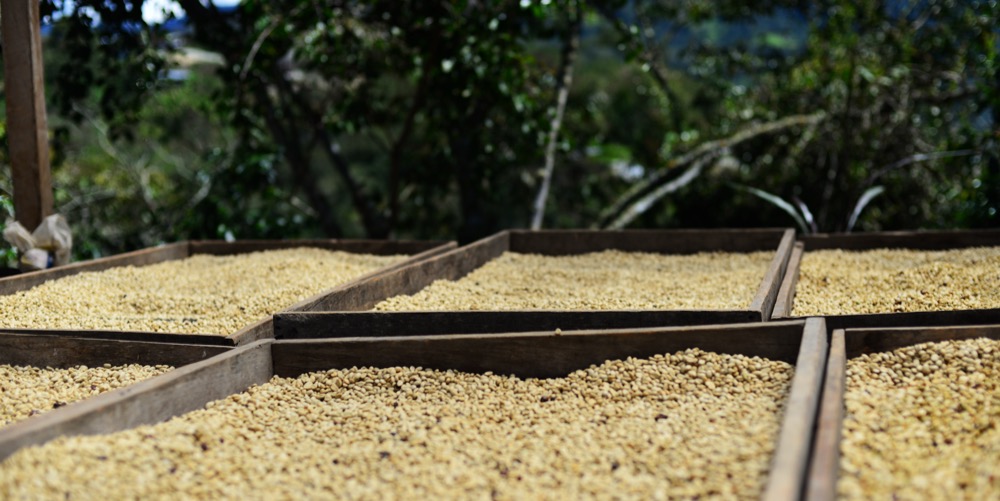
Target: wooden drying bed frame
[[917, 240], [344, 313], [260, 329], [531, 354]]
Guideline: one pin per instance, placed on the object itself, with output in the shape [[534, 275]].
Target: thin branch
[[643, 204], [917, 158], [571, 45], [248, 62], [708, 148]]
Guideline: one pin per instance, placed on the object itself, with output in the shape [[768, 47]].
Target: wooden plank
[[27, 127], [566, 242], [319, 325], [534, 354], [913, 318], [786, 293], [62, 352], [791, 457], [409, 279], [846, 344], [142, 257], [767, 292], [787, 480], [154, 400], [923, 240], [157, 337], [376, 247], [860, 341], [824, 468]]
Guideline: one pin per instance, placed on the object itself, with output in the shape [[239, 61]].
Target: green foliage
[[428, 119]]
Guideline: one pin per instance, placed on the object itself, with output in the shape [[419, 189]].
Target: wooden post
[[27, 128]]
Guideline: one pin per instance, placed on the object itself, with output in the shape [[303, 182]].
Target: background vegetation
[[446, 119]]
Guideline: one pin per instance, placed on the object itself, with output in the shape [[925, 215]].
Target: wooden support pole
[[27, 128]]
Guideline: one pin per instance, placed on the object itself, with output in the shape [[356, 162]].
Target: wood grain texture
[[912, 318], [786, 293], [535, 354], [566, 242], [791, 457], [872, 340], [767, 292], [157, 337], [409, 279], [319, 325], [62, 352], [921, 240], [847, 344], [376, 247], [27, 125], [151, 401], [824, 467], [142, 257]]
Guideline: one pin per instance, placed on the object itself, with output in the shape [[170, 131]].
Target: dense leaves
[[430, 118]]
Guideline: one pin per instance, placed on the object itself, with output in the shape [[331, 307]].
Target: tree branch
[[571, 45], [707, 150]]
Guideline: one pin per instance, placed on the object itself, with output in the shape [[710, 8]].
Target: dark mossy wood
[[530, 354], [917, 240], [824, 469], [456, 264], [260, 329]]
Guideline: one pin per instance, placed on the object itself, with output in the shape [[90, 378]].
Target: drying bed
[[564, 279], [433, 435], [909, 413], [894, 279], [39, 374], [209, 292]]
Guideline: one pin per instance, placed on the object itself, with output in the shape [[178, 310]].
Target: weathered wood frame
[[824, 467], [919, 240], [530, 354], [343, 313], [61, 352], [262, 328]]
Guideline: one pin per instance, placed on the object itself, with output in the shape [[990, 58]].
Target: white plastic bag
[[50, 245]]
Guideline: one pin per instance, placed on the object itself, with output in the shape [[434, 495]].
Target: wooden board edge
[[824, 465], [533, 354], [362, 246], [558, 242], [767, 292], [785, 300], [261, 329], [322, 325], [155, 337], [316, 300], [140, 257], [410, 279], [789, 465], [151, 401], [62, 352], [925, 240]]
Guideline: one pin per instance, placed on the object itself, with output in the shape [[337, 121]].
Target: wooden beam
[[27, 128]]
